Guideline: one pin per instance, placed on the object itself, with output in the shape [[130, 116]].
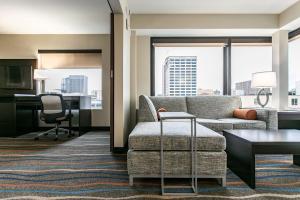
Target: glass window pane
[[294, 73], [197, 71], [246, 60], [75, 82]]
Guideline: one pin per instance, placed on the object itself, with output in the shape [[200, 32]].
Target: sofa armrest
[[146, 111], [270, 116]]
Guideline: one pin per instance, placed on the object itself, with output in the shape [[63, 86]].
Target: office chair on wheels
[[53, 111]]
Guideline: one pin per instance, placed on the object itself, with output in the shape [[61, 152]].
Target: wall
[[280, 65], [289, 16], [26, 46], [143, 66], [122, 81], [133, 79], [204, 21]]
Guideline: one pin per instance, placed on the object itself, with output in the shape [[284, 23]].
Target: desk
[[19, 113]]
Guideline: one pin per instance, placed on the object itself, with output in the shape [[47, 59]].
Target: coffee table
[[243, 145]]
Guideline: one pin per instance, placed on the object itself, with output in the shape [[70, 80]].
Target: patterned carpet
[[83, 168]]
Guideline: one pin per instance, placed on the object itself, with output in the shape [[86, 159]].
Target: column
[[280, 66]]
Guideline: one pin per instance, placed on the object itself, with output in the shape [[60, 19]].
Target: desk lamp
[[40, 80]]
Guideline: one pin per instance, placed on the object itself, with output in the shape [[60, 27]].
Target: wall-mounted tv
[[16, 76]]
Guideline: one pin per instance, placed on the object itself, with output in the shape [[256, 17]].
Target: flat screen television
[[16, 76]]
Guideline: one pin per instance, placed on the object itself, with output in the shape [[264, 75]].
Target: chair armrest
[[268, 115]]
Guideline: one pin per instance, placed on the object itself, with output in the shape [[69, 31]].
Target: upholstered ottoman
[[143, 159]]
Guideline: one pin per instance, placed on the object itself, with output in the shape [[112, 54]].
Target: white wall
[[26, 46], [289, 15], [280, 64]]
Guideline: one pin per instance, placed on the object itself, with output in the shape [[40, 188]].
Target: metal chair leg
[[130, 180], [56, 133], [44, 133], [56, 130]]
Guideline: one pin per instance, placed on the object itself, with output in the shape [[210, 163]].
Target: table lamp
[[40, 78], [263, 80]]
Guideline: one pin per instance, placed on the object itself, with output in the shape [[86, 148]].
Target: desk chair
[[53, 111]]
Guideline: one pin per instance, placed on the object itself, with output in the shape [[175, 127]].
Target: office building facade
[[180, 76], [244, 89], [75, 84]]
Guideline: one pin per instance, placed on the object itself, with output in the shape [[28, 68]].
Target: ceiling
[[209, 6], [54, 17]]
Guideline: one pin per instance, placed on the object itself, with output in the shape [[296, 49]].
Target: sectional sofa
[[214, 114]]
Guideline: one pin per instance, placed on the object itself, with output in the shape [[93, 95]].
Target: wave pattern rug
[[84, 168]]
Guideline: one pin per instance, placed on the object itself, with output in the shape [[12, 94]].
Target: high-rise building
[[75, 84], [244, 89], [180, 76]]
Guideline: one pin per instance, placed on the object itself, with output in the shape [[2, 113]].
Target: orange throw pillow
[[160, 110], [248, 114]]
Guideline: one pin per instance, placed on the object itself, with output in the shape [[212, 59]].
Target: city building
[[75, 84], [180, 76], [244, 89], [201, 91]]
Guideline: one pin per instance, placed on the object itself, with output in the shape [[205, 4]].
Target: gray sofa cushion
[[146, 136], [215, 124], [245, 124], [141, 163], [213, 107], [171, 104], [147, 111]]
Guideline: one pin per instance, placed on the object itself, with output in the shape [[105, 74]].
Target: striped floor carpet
[[83, 168]]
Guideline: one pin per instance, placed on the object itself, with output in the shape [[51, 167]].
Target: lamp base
[[262, 92], [40, 86]]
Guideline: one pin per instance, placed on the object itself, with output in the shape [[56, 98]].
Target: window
[[189, 70], [73, 72], [246, 60], [294, 73], [75, 82]]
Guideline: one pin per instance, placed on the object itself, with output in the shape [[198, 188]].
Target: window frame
[[226, 53]]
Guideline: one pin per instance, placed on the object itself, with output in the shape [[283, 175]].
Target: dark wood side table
[[243, 145], [289, 119]]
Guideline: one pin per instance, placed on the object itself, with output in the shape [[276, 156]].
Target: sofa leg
[[130, 180], [223, 180]]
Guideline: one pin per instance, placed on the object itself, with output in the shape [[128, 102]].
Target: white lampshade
[[38, 75], [263, 80]]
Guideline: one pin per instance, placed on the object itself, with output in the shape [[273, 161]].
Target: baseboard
[[100, 128], [120, 150]]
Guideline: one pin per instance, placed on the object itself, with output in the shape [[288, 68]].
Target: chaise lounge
[[214, 114]]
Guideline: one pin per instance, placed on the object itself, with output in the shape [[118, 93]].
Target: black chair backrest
[[53, 107]]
